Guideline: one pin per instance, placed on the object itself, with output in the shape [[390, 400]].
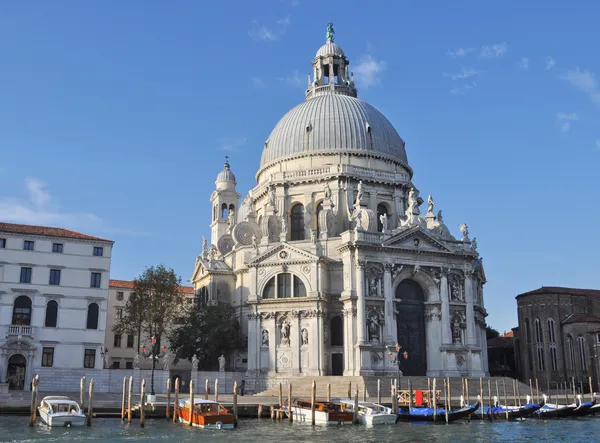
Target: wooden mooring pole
[[123, 399], [206, 389], [355, 419], [168, 409], [82, 393], [176, 401], [289, 405], [434, 403], [378, 391], [90, 403], [143, 404], [481, 396], [235, 404], [446, 402], [328, 392], [312, 402], [191, 418], [129, 399], [217, 390], [505, 399], [33, 409]]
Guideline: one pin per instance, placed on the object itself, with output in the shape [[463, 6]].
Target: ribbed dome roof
[[336, 122], [329, 48], [226, 174]]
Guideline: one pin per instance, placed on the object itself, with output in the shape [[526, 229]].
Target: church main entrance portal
[[411, 327], [15, 374]]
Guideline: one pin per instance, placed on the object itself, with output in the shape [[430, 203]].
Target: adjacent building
[[121, 349], [558, 336], [53, 301], [330, 259]]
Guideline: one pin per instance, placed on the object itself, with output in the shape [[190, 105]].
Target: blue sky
[[115, 118]]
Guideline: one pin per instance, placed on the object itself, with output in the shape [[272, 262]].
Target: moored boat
[[437, 415], [370, 413], [326, 413], [553, 410], [58, 411], [514, 412], [584, 408], [206, 414]]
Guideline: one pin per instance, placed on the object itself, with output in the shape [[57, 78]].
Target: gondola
[[514, 412], [551, 410], [427, 414], [584, 408]]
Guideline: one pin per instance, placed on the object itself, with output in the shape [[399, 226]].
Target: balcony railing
[[18, 330]]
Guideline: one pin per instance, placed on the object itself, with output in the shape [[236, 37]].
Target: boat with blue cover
[[437, 415], [553, 410], [514, 412]]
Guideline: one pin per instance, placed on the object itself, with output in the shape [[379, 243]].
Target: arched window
[[22, 311], [51, 314], [381, 209], [231, 208], [224, 210], [92, 316], [539, 344], [284, 285], [571, 351], [581, 343], [297, 222], [337, 331], [319, 209], [552, 343], [528, 345]]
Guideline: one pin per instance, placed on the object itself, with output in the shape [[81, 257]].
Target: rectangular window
[[98, 251], [28, 245], [130, 340], [116, 365], [54, 277], [96, 280], [120, 296], [117, 341], [89, 358], [2, 243], [128, 365], [57, 247], [119, 313], [25, 275], [47, 357], [598, 338]]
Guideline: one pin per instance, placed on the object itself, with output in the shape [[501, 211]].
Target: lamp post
[[154, 354]]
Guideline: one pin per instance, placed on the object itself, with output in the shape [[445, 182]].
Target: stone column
[[272, 349], [3, 365], [390, 325], [469, 294], [254, 342], [446, 331], [360, 301], [320, 339]]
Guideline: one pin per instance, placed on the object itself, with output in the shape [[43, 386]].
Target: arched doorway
[[336, 335], [15, 374], [411, 327]]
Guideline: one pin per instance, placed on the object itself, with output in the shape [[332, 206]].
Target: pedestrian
[[243, 388]]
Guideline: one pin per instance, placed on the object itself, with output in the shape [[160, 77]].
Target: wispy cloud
[[524, 63], [40, 208], [464, 73], [550, 63], [368, 71], [585, 81], [295, 79], [459, 52], [493, 51], [261, 32], [258, 83], [231, 144], [457, 90], [598, 144], [565, 120]]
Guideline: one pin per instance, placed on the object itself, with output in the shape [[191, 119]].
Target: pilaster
[[390, 325]]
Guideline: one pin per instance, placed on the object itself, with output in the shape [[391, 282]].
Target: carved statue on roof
[[464, 229], [204, 245], [330, 32], [359, 195], [430, 204]]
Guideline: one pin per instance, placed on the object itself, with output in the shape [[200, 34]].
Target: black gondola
[[427, 414]]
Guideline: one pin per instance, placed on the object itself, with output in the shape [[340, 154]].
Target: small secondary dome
[[226, 175]]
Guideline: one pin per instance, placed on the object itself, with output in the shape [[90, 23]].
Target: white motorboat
[[61, 411], [326, 413], [370, 413]]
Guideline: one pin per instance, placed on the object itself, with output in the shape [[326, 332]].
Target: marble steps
[[302, 386]]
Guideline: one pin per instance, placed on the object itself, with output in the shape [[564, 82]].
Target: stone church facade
[[330, 259]]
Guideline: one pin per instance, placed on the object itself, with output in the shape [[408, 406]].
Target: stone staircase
[[302, 386]]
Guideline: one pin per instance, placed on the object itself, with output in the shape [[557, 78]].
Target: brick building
[[558, 335]]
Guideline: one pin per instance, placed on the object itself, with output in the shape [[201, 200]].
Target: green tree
[[153, 305], [491, 332], [208, 332]]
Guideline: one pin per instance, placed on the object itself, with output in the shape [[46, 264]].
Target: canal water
[[16, 429]]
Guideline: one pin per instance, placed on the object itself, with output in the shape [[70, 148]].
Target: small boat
[[206, 414], [552, 410], [514, 412], [326, 413], [370, 413], [427, 414], [584, 408], [58, 411]]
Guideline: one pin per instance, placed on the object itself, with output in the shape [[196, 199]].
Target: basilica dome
[[332, 119]]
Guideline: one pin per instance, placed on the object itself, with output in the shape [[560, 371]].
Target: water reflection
[[16, 429]]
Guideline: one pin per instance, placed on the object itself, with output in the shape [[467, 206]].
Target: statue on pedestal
[[222, 363], [136, 361], [383, 218], [166, 361], [195, 363]]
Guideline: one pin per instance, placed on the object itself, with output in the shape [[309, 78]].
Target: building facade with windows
[[53, 301], [330, 259], [557, 338], [121, 349]]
